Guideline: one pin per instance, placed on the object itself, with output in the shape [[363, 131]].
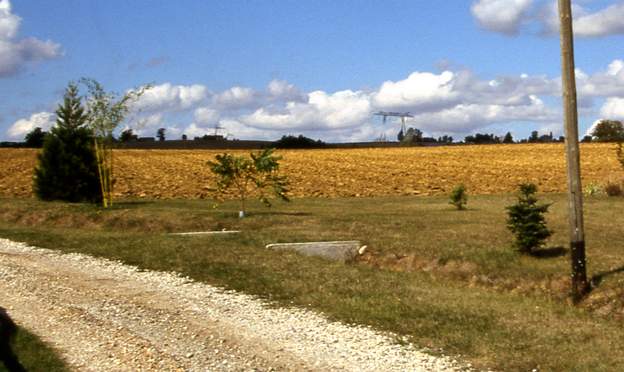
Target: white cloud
[[206, 116], [608, 83], [14, 54], [150, 121], [9, 23], [322, 111], [420, 91], [236, 98], [613, 108], [19, 129], [468, 117], [608, 21], [168, 97], [505, 16], [282, 90]]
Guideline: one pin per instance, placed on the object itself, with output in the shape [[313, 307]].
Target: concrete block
[[336, 251], [218, 232]]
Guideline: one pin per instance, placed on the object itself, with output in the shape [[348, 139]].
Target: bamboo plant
[[105, 111]]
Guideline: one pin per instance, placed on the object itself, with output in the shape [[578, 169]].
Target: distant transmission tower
[[216, 128], [402, 115]]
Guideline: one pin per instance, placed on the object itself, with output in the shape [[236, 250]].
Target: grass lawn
[[35, 355], [445, 279]]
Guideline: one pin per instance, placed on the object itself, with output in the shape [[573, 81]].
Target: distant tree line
[[299, 142], [604, 131]]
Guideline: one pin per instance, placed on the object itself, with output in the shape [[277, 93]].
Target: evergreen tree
[[526, 220], [67, 168], [508, 138]]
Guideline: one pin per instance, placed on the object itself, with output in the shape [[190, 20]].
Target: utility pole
[[580, 286]]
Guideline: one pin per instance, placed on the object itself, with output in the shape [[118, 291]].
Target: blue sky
[[261, 69]]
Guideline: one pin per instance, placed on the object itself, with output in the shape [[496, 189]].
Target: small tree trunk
[[241, 213], [100, 165]]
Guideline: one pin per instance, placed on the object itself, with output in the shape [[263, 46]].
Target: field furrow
[[346, 172]]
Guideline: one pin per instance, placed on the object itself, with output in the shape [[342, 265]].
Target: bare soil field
[[487, 169]]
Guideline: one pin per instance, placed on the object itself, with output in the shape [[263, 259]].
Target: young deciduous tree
[[105, 111], [67, 169], [258, 173]]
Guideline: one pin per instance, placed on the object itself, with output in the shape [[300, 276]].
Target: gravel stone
[[105, 315]]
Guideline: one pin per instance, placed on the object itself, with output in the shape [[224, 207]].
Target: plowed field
[[345, 172]]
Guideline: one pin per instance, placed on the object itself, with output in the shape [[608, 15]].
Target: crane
[[401, 115]]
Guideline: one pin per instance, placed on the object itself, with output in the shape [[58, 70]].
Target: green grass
[[446, 279], [34, 354]]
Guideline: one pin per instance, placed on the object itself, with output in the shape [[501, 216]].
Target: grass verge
[[445, 279]]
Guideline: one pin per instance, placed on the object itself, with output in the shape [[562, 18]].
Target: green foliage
[[35, 138], [160, 134], [526, 220], [411, 135], [127, 136], [105, 111], [300, 142], [508, 138], [459, 197], [259, 172], [593, 189], [608, 131], [67, 167]]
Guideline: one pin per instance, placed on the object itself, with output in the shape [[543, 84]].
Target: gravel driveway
[[106, 316]]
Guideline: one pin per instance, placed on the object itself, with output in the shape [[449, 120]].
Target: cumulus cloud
[[606, 83], [467, 117], [321, 111], [508, 16], [283, 91], [608, 21], [19, 129], [613, 108], [505, 16], [14, 54], [168, 97], [451, 102], [236, 98], [420, 91], [206, 116]]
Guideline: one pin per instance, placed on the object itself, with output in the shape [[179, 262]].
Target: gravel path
[[107, 316]]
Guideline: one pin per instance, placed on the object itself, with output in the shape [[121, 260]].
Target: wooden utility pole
[[580, 286]]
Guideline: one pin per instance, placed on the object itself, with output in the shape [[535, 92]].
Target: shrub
[[245, 175], [526, 220], [67, 168], [459, 197], [593, 189], [613, 189]]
